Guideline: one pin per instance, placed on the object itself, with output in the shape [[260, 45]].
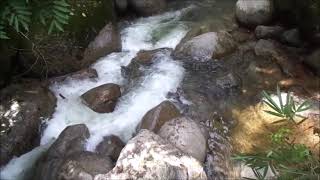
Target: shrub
[[285, 159], [18, 15]]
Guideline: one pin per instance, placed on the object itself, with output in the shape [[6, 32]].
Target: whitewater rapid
[[164, 76]]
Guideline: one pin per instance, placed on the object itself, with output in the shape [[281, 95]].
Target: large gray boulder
[[71, 140], [148, 156], [147, 7], [67, 158], [23, 108], [253, 13], [107, 41], [102, 99], [156, 117], [206, 46], [186, 135]]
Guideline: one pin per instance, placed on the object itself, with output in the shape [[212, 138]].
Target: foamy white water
[[163, 76], [19, 168]]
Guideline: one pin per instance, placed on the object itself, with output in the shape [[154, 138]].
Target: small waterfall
[[164, 76]]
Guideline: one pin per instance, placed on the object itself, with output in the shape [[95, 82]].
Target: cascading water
[[163, 76]]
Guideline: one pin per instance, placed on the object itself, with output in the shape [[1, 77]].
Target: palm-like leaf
[[287, 110]]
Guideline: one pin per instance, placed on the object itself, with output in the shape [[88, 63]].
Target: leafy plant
[[19, 14], [281, 136], [287, 110], [285, 160], [3, 34]]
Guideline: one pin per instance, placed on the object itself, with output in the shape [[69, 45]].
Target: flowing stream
[[163, 76]]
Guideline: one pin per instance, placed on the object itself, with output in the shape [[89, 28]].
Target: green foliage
[[287, 110], [3, 34], [286, 160], [280, 136], [19, 14]]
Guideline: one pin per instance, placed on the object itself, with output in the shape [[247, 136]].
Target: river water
[[164, 76]]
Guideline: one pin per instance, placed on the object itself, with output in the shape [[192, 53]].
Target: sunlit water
[[163, 76]]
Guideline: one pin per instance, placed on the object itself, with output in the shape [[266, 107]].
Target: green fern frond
[[60, 12], [18, 15], [3, 33]]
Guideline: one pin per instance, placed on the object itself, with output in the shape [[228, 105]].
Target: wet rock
[[253, 13], [88, 73], [108, 40], [146, 57], [286, 58], [84, 166], [156, 117], [102, 99], [267, 32], [242, 35], [121, 5], [292, 37], [147, 7], [186, 135], [206, 46], [67, 158], [265, 48], [78, 166], [196, 31], [157, 159], [111, 146], [71, 140], [313, 61], [84, 40], [23, 107], [228, 81]]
